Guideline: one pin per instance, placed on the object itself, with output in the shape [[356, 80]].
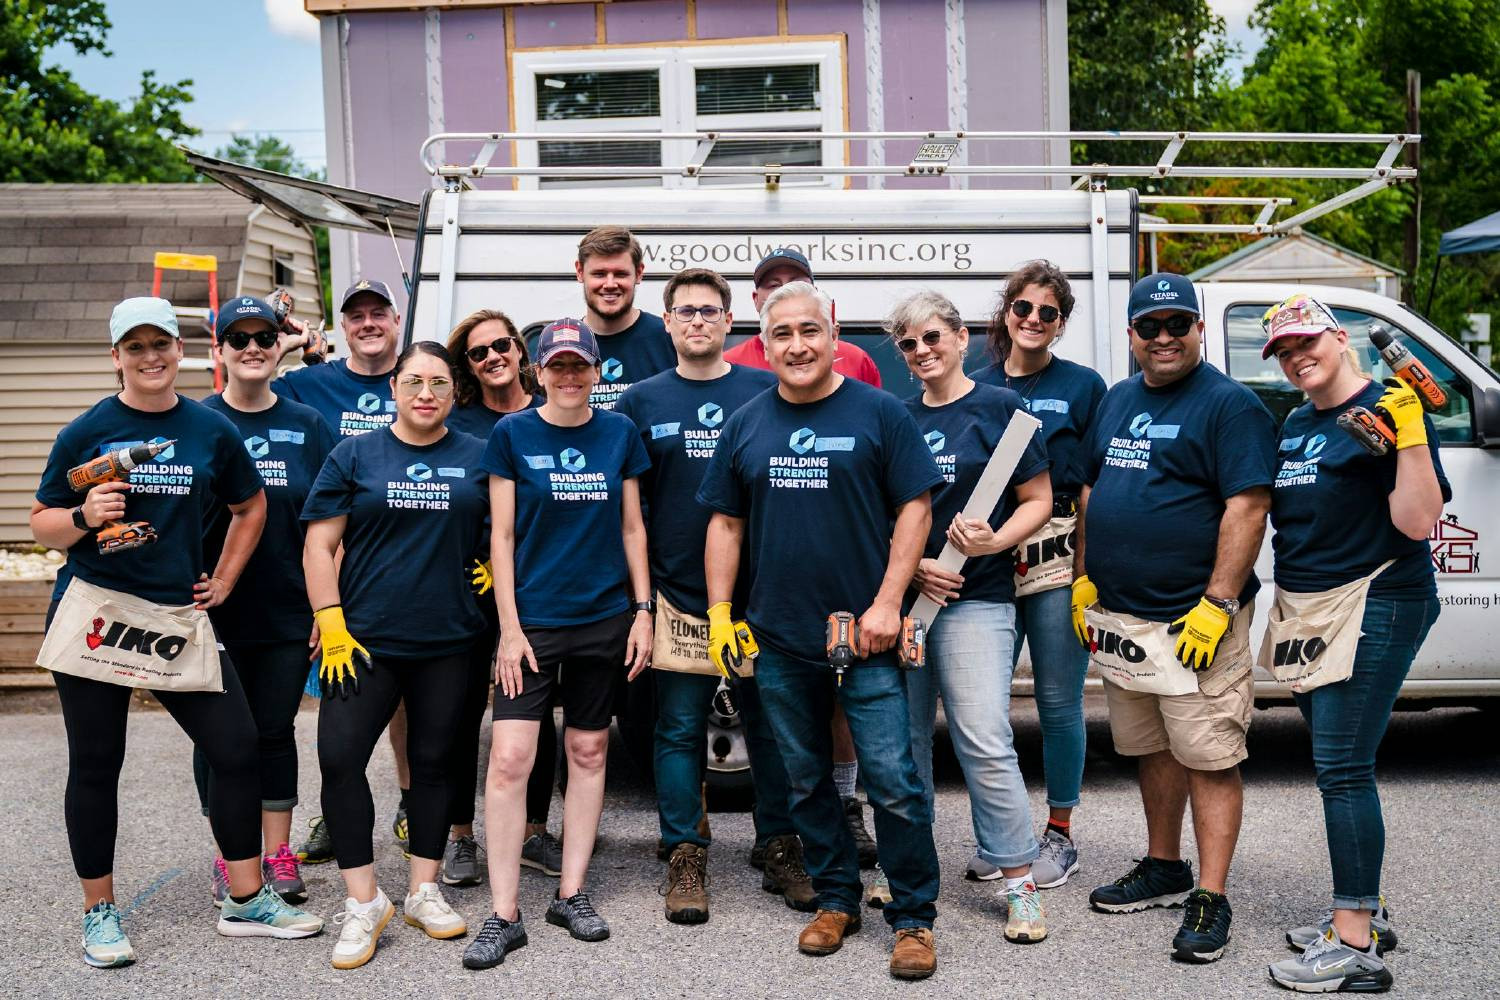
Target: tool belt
[[1311, 639], [680, 643], [1045, 560]]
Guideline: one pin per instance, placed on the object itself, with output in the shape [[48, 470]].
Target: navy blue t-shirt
[[1064, 396], [633, 355], [570, 552], [961, 436], [1161, 462], [176, 491], [818, 485], [416, 513], [680, 420], [288, 444], [477, 420], [1331, 510], [351, 404]]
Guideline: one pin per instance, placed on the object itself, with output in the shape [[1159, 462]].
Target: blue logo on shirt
[[168, 454], [936, 441], [287, 437], [368, 403], [1139, 424], [802, 440], [710, 414], [665, 430], [573, 460], [257, 446], [539, 462], [1315, 445], [612, 369], [418, 473], [1142, 425]]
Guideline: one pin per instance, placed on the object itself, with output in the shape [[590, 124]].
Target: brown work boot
[[687, 885], [825, 935], [785, 874], [915, 953]]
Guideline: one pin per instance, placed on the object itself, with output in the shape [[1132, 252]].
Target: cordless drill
[[842, 639], [282, 302], [117, 536], [1373, 430]]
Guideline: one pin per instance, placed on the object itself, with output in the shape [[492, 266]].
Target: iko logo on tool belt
[[1298, 651], [1112, 643], [130, 639], [710, 414], [802, 440]]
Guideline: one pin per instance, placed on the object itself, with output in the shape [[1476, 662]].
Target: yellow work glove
[[341, 654], [723, 644], [1200, 631], [481, 578], [1085, 594], [1404, 410]]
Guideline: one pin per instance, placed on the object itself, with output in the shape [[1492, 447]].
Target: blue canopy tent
[[1479, 236]]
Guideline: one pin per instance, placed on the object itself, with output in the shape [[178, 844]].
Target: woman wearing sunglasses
[[265, 621], [494, 372], [396, 624], [969, 645], [1032, 315]]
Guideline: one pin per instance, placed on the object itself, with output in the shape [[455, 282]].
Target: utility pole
[[1412, 251]]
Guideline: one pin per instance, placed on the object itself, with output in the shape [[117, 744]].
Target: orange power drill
[[1372, 429], [282, 302], [117, 536], [842, 640]]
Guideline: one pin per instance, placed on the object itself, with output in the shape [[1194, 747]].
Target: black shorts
[[579, 666]]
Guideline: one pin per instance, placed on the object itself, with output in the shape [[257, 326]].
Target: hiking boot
[[105, 945], [784, 873], [495, 939], [578, 915], [758, 855], [879, 893], [283, 872], [1380, 922], [915, 953], [266, 914], [461, 862], [543, 852], [1150, 883], [686, 888], [1331, 966], [854, 815], [427, 909], [1056, 860], [1025, 923], [221, 882], [1204, 933], [317, 849], [359, 931], [825, 935]]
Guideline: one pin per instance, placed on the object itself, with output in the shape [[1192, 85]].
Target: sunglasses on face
[[239, 340], [908, 344], [710, 314], [500, 345], [1047, 314], [411, 385], [1176, 326]]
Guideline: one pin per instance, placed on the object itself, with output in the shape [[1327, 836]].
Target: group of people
[[427, 522]]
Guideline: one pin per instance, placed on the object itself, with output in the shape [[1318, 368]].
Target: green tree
[[51, 129]]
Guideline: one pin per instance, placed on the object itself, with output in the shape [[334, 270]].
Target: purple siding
[[645, 21], [735, 19], [476, 94], [561, 24], [840, 17], [915, 76], [1004, 56]]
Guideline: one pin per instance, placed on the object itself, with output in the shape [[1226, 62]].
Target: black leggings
[[273, 675], [433, 690]]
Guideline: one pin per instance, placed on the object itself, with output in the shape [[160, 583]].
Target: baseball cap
[[1162, 291], [782, 257], [244, 307], [379, 288], [1296, 315], [564, 336], [142, 310]]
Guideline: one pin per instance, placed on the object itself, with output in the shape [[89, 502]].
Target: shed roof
[[1299, 255]]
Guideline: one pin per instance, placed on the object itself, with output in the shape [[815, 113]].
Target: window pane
[[591, 154], [728, 152], [632, 93], [729, 90]]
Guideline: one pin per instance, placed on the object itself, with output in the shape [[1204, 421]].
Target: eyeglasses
[[239, 339], [710, 314], [1022, 309], [500, 345], [412, 385], [908, 344], [1176, 326]]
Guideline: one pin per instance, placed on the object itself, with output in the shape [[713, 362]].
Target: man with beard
[[634, 344]]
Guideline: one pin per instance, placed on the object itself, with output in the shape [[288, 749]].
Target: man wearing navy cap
[[1177, 469]]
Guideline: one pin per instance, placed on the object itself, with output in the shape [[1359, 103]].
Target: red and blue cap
[[566, 336]]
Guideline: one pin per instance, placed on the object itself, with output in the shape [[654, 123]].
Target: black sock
[[242, 900]]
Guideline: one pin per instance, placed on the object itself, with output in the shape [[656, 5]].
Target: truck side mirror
[[1487, 418]]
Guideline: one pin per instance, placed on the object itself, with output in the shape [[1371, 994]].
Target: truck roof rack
[[939, 155]]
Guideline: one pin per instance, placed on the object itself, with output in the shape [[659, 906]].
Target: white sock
[[845, 775], [1015, 884], [375, 904]]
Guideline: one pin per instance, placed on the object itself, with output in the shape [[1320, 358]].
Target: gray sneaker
[[1331, 966], [980, 870], [578, 915], [543, 852], [497, 937], [1058, 859], [461, 863], [1301, 938]]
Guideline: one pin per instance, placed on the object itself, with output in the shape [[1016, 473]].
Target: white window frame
[[676, 66]]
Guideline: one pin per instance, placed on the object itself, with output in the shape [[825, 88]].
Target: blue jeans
[[1348, 721], [799, 696], [1058, 666], [969, 659], [683, 702]]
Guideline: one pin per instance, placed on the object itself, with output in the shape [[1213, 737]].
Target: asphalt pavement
[[1439, 785]]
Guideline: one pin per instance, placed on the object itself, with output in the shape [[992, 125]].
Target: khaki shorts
[[1204, 730]]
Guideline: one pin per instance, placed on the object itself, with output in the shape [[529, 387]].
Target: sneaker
[[317, 849], [686, 888], [1380, 922], [105, 945], [398, 825], [1205, 927], [854, 815], [359, 931], [221, 882], [1331, 966], [785, 873], [1058, 859], [1150, 883], [879, 892], [426, 908], [578, 915], [266, 914], [1025, 923], [461, 862], [980, 870], [283, 872], [543, 852], [758, 855], [495, 939]]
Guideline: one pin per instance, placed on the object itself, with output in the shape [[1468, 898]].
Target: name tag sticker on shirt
[[540, 461], [833, 444], [390, 406], [1290, 444], [1048, 406], [286, 437], [1162, 430], [450, 472], [665, 430]]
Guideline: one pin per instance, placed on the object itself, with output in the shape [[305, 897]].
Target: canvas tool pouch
[[1052, 548], [1311, 638], [680, 643], [1136, 654]]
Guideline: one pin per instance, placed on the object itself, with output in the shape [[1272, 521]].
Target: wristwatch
[[1230, 607], [79, 521], [647, 606]]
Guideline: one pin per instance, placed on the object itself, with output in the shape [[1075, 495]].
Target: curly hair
[[1033, 272]]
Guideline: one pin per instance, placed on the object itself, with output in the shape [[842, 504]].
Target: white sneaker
[[426, 908], [359, 930]]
